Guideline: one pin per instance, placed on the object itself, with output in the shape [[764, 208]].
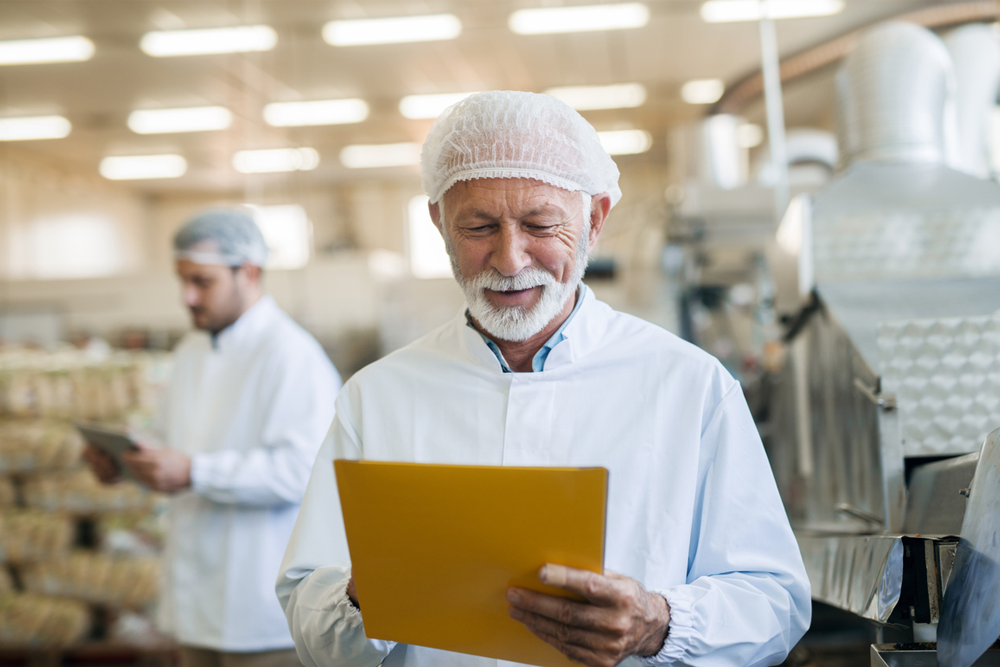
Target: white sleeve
[[312, 586], [297, 403], [747, 597]]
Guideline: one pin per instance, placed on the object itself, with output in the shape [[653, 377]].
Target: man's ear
[[600, 206], [435, 211], [252, 271]]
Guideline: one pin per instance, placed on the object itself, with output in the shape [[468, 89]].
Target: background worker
[[250, 398]]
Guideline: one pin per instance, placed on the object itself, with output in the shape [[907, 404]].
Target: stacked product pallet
[[77, 559]]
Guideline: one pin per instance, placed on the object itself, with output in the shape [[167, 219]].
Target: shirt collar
[[251, 320], [585, 324]]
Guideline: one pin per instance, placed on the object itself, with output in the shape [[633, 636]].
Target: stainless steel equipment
[[971, 616], [890, 282]]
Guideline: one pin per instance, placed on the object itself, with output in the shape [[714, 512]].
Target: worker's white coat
[[252, 411], [693, 511]]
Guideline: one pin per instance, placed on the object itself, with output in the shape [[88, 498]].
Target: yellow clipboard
[[434, 548]]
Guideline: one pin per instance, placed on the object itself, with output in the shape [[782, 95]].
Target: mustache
[[529, 277]]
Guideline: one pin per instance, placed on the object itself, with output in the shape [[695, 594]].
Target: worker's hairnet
[[510, 134], [236, 237]]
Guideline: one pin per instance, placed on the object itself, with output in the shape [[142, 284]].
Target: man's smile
[[513, 297]]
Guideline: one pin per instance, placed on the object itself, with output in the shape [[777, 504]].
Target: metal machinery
[[883, 422]]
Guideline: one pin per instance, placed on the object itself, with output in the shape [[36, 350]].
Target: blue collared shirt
[[538, 361]]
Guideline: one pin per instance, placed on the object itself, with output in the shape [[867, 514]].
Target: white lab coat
[[251, 411], [693, 511]]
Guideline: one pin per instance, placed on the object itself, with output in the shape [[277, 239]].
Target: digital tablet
[[111, 442]]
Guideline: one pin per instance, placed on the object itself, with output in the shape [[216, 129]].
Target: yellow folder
[[434, 548]]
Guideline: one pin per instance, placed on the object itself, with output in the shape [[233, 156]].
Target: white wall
[[83, 212]]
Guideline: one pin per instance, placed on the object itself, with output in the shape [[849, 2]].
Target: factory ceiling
[[97, 95]]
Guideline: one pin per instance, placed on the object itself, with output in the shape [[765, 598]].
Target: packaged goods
[[41, 622], [95, 577], [72, 384], [8, 493], [132, 534], [78, 492], [32, 535], [35, 444]]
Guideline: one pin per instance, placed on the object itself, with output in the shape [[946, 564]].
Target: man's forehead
[[507, 191]]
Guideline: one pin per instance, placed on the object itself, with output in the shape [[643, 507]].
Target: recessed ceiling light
[[583, 98], [724, 11], [626, 142], [316, 112], [135, 167], [367, 156], [428, 28], [579, 19], [193, 119], [749, 135], [53, 50], [275, 160], [703, 91], [238, 39], [428, 106], [34, 127]]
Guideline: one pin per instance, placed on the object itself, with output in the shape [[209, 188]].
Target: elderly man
[[702, 565], [249, 401]]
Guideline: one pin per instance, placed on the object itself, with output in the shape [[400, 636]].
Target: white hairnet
[[237, 238], [511, 134]]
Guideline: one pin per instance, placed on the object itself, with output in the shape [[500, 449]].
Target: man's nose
[[190, 296], [510, 255]]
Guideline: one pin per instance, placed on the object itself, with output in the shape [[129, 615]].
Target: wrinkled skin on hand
[[619, 619]]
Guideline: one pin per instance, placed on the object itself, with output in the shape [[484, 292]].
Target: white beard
[[516, 323]]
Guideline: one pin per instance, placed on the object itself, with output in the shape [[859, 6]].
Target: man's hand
[[164, 470], [619, 619], [352, 594], [102, 465]]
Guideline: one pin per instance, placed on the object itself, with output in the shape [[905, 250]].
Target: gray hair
[[237, 238]]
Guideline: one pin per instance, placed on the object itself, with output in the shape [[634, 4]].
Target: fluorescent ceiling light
[[134, 167], [318, 112], [626, 142], [583, 98], [702, 91], [34, 127], [428, 106], [579, 19], [238, 39], [367, 156], [54, 50], [428, 28], [724, 11], [749, 135], [194, 119], [275, 160]]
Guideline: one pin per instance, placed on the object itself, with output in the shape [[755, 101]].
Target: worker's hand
[[164, 470], [352, 594], [102, 465], [619, 619]]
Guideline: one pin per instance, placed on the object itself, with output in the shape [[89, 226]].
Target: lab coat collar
[[582, 334], [255, 317]]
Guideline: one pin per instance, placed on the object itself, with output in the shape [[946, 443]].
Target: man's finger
[[566, 612], [572, 651], [591, 639], [597, 588]]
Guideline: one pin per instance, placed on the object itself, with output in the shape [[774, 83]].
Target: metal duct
[[893, 90], [708, 152], [807, 149], [975, 53]]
